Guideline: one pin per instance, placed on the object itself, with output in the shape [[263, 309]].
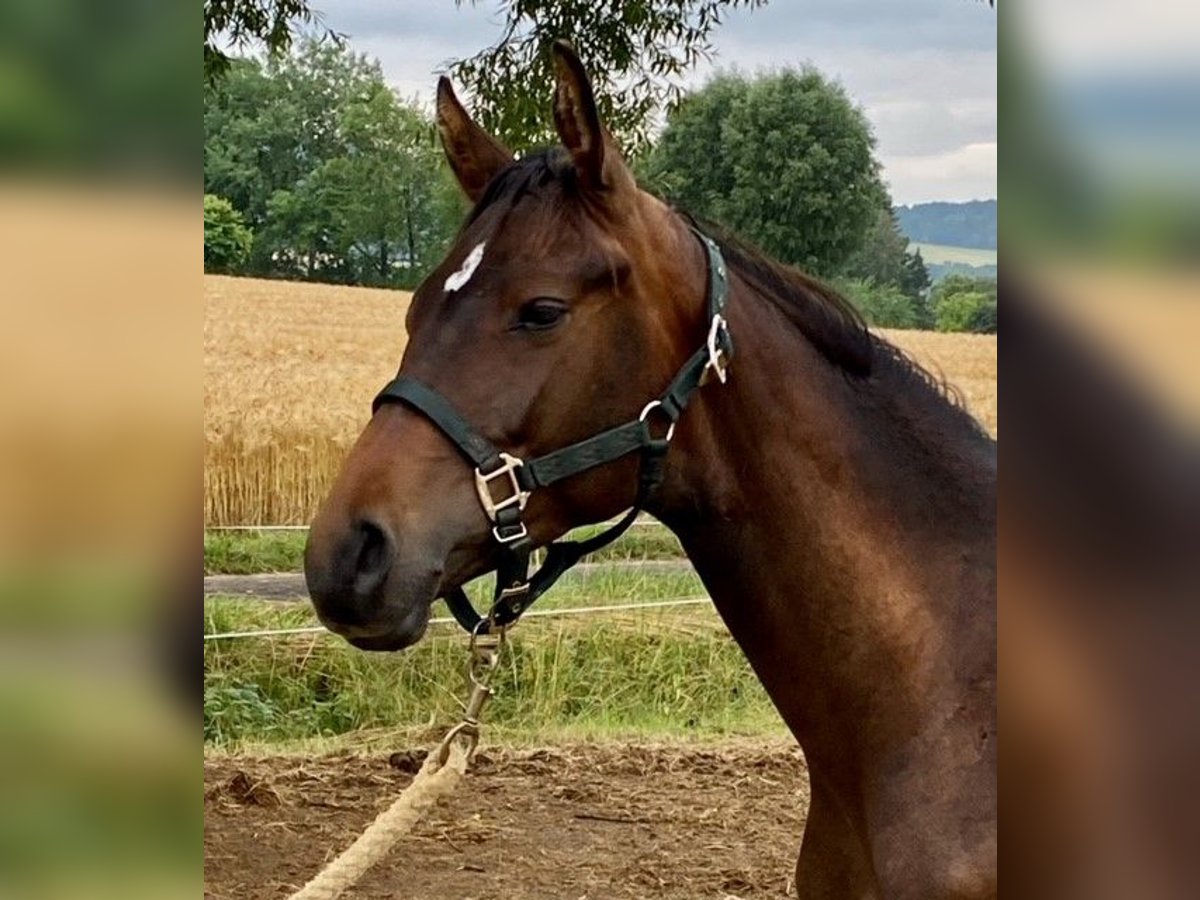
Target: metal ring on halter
[[469, 730], [484, 649], [495, 634], [649, 408]]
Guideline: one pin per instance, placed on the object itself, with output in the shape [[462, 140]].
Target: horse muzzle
[[365, 589]]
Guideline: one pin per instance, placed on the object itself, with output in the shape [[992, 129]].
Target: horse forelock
[[528, 175]]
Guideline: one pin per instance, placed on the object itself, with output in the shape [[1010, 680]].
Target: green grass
[[668, 674], [252, 552], [606, 584], [941, 253]]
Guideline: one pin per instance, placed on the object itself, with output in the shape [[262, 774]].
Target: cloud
[[923, 70], [881, 27], [966, 173], [1103, 36]]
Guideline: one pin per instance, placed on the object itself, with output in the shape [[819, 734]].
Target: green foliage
[[969, 311], [915, 280], [339, 180], [227, 240], [884, 305], [236, 709], [634, 52], [784, 159], [884, 259], [963, 303], [243, 23], [97, 90]]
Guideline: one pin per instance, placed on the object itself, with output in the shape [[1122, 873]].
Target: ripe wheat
[[290, 370]]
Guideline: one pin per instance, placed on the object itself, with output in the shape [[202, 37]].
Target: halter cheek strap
[[504, 482]]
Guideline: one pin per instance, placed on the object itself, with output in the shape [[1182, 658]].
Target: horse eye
[[541, 314]]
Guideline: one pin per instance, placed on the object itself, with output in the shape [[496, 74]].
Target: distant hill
[[938, 271], [941, 260], [971, 224]]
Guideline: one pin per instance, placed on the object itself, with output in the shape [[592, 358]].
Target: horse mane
[[829, 321], [832, 324]]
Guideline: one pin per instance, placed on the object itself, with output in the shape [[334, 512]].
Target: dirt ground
[[581, 821]]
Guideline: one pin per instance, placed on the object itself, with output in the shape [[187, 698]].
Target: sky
[[924, 71]]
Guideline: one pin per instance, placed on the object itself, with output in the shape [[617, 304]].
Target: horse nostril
[[375, 552]]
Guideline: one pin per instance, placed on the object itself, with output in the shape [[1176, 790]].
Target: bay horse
[[837, 504]]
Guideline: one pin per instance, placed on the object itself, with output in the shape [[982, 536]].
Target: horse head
[[568, 299]]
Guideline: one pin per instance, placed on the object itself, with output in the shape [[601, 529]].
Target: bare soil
[[580, 821]]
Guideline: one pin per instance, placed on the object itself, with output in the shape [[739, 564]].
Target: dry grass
[[290, 370]]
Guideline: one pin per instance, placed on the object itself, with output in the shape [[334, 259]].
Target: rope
[[438, 776], [446, 620], [442, 770]]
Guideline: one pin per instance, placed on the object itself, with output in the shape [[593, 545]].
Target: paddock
[[594, 820]]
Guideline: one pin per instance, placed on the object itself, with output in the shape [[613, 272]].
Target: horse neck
[[839, 528]]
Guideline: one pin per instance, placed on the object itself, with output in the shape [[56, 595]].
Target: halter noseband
[[516, 588]]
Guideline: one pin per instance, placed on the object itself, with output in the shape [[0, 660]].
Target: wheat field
[[290, 370]]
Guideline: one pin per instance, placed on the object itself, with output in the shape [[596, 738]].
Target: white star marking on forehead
[[456, 280]]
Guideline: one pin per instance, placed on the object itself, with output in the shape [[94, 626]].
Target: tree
[[339, 180], [227, 240], [962, 312], [243, 23], [916, 279], [635, 52], [882, 305], [963, 303], [884, 259], [785, 159]]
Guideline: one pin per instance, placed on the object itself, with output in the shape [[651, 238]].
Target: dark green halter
[[516, 588]]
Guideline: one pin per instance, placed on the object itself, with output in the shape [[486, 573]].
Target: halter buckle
[[510, 537], [718, 359], [518, 497]]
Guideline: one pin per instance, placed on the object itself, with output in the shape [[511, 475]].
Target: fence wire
[[639, 523], [446, 620]]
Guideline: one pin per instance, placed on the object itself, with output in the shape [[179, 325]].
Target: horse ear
[[596, 156], [474, 155]]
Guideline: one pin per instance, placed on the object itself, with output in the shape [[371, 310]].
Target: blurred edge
[[100, 400], [1100, 468]]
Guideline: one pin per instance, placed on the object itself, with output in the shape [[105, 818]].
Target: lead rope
[[440, 773]]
